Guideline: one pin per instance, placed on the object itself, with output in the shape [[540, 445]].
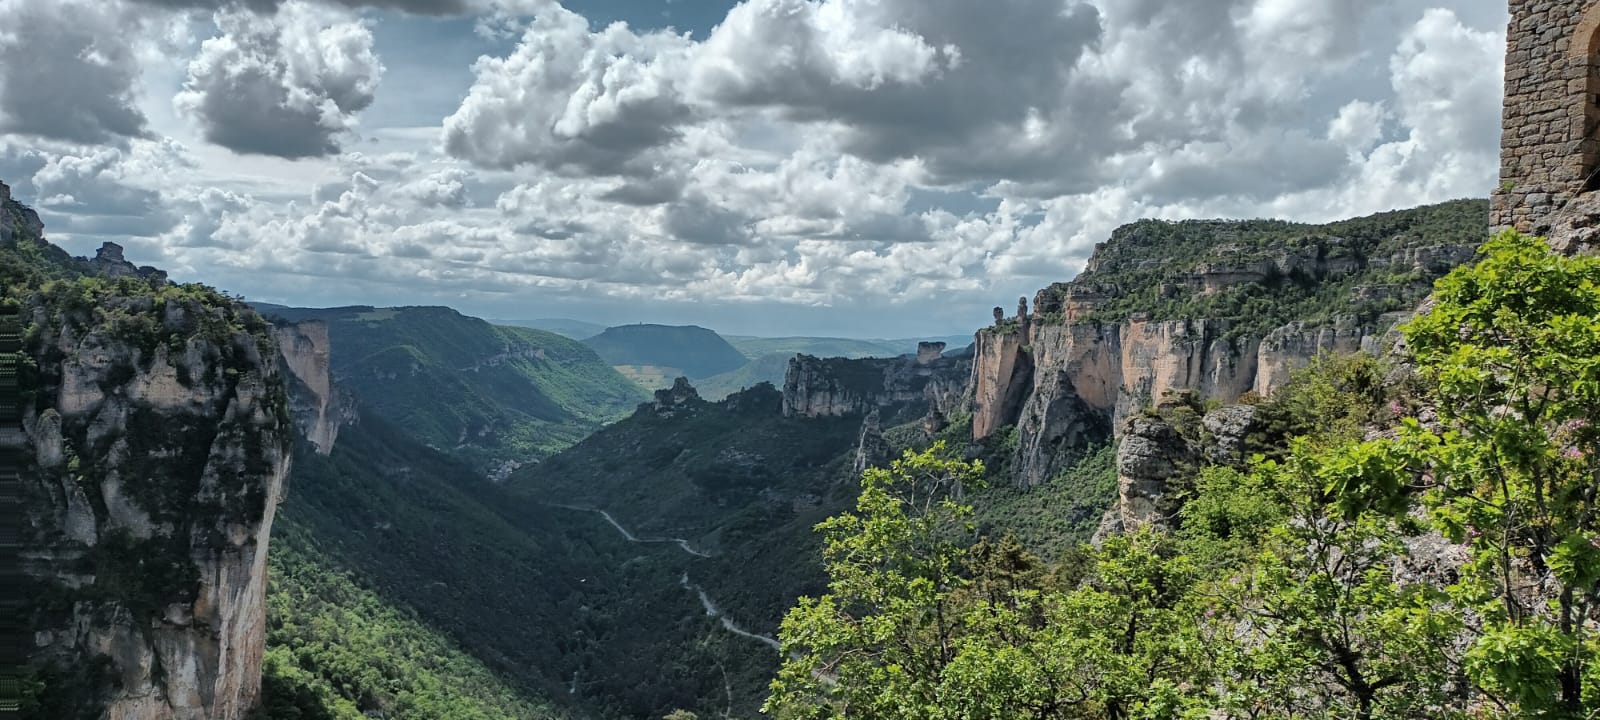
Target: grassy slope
[[458, 383], [695, 351], [565, 327]]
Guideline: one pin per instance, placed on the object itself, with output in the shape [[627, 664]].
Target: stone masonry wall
[[1552, 110]]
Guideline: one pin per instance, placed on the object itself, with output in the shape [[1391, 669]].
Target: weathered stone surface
[[676, 399], [1550, 147], [1054, 428], [1001, 375], [836, 387], [1295, 345], [1150, 453], [1576, 228], [319, 408], [1227, 428], [175, 453], [871, 449]]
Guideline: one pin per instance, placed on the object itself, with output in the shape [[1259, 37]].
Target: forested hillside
[[485, 393]]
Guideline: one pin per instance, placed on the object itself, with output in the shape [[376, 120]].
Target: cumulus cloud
[[288, 85], [804, 153], [969, 88], [419, 7], [570, 100], [68, 72]]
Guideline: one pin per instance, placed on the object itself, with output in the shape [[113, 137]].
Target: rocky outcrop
[[1158, 450], [1150, 454], [159, 474], [108, 261], [837, 387], [160, 438], [1226, 430], [16, 220], [1001, 371], [318, 407], [681, 397], [871, 449], [1054, 428]]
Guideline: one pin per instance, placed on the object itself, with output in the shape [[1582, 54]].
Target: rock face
[[1054, 427], [1576, 229], [319, 408], [1227, 428], [1293, 346], [1150, 453], [1119, 368], [836, 387], [871, 449], [161, 437], [108, 261], [1155, 449], [679, 398], [1000, 371]]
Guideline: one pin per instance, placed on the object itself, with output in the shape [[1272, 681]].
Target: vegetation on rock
[[1263, 274], [1423, 546]]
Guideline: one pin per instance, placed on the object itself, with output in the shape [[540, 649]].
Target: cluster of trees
[[1444, 562]]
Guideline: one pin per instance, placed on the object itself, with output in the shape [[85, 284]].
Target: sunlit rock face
[[159, 435]]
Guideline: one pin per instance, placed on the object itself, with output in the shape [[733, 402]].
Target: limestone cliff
[[1214, 307], [836, 387], [1156, 449], [318, 407], [159, 422]]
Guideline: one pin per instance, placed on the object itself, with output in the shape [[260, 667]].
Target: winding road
[[705, 600]]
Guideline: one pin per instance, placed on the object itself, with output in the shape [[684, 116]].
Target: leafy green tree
[[1511, 352], [922, 623], [1324, 621], [879, 642]]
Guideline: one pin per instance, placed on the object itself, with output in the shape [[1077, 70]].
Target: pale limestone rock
[[837, 387], [1055, 426]]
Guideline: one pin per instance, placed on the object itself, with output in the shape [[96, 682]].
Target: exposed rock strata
[[319, 408], [161, 441], [871, 449], [837, 387]]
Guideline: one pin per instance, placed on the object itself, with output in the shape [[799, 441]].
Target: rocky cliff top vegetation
[[1262, 274]]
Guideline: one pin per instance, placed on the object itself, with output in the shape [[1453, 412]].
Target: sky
[[861, 168]]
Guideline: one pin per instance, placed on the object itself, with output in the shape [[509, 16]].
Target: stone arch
[[1584, 52]]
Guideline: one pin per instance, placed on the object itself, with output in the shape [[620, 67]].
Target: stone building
[[1550, 147]]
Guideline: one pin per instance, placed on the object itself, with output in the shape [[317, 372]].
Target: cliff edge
[[161, 434]]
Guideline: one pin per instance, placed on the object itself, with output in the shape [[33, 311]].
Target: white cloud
[[67, 71], [288, 85], [913, 159], [571, 100]]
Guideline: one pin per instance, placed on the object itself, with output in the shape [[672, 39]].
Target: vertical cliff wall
[[319, 409], [836, 387], [1218, 308], [160, 429]]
